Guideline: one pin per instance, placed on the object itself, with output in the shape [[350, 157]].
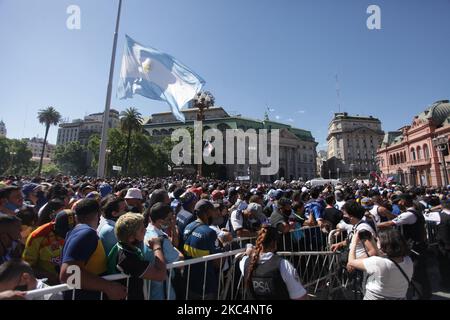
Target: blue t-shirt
[[200, 241], [83, 244], [184, 218], [315, 207], [396, 209], [106, 233], [158, 290]]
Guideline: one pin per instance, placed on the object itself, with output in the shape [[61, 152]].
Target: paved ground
[[433, 272]]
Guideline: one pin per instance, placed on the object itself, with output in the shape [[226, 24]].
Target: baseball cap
[[105, 189], [366, 203], [86, 186], [278, 194], [64, 222], [30, 187], [134, 193], [217, 194], [203, 206], [198, 191], [188, 197], [93, 195], [255, 208]]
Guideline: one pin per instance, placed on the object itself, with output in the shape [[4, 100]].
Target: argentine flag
[[158, 76]]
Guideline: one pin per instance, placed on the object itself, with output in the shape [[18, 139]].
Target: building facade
[[321, 159], [81, 130], [35, 145], [297, 152], [410, 155], [352, 145], [2, 129]]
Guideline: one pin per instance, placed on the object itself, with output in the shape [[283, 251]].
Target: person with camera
[[389, 275], [365, 246], [413, 223]]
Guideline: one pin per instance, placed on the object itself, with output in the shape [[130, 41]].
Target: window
[[426, 152], [419, 153], [413, 154]]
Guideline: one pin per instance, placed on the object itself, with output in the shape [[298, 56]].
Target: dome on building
[[438, 112]]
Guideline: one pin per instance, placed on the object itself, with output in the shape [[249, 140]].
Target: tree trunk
[[127, 153], [47, 127]]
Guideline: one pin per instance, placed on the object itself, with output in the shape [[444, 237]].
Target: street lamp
[[12, 154], [108, 151], [352, 167], [329, 173], [441, 144], [202, 100], [338, 172]]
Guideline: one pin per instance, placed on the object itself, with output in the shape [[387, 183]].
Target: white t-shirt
[[237, 220], [374, 213], [435, 217], [340, 204], [288, 273], [406, 217], [385, 278], [360, 251]]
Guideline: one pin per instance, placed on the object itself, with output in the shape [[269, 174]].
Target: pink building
[[412, 155]]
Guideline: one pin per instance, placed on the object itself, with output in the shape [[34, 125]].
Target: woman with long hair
[[268, 276], [389, 272]]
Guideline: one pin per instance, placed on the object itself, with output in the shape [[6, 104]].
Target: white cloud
[[277, 117], [301, 111], [290, 120]]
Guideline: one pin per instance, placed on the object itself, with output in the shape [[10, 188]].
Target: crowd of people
[[139, 226]]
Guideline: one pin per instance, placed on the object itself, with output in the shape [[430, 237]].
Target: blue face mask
[[11, 206]]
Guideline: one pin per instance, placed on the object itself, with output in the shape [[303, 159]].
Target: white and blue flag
[[158, 76]]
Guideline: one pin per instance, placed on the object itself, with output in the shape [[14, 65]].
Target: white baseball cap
[[134, 193]]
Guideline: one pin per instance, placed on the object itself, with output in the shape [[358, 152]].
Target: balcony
[[420, 162]]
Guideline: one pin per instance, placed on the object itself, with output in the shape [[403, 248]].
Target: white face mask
[[164, 227]]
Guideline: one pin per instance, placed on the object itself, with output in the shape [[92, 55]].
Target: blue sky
[[253, 54]]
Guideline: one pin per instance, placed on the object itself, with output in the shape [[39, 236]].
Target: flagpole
[[102, 153]]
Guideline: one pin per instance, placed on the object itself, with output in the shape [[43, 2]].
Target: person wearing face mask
[[224, 237], [10, 245], [160, 215], [199, 241], [31, 194], [112, 209], [130, 233], [133, 198], [14, 199], [354, 214], [18, 275]]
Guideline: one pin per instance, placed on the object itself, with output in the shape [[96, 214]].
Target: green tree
[[50, 170], [5, 158], [130, 121], [20, 157], [71, 158], [93, 148], [48, 117]]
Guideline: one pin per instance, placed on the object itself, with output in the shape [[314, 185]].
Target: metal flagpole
[[102, 153]]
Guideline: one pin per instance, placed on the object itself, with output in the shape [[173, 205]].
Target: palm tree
[[131, 120], [48, 116]]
